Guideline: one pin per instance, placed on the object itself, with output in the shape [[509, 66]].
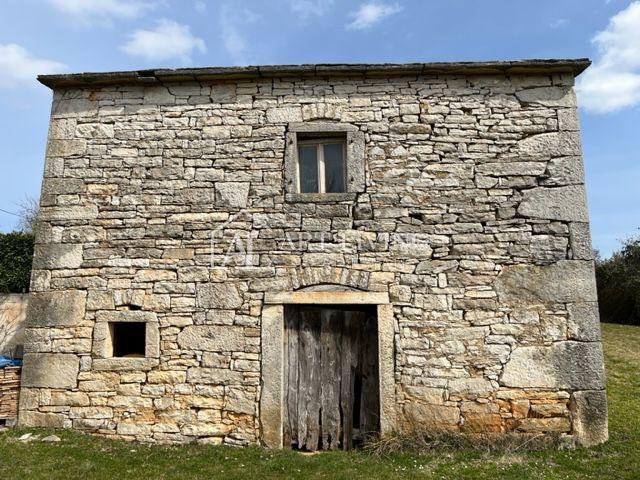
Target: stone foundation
[[164, 202]]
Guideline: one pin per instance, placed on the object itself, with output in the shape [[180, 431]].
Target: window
[[125, 340], [128, 339], [323, 162], [322, 165]]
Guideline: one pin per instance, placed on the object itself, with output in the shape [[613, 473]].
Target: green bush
[[618, 280], [16, 254]]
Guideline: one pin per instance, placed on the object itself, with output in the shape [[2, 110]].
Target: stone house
[[298, 255]]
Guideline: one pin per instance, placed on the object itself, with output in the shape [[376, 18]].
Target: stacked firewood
[[9, 390]]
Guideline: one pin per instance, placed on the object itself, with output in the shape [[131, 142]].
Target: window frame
[[319, 142], [354, 160], [102, 349]]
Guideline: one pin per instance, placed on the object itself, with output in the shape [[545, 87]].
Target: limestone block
[[193, 274], [71, 212], [207, 429], [50, 370], [240, 401], [28, 418], [214, 376], [212, 338], [57, 255], [580, 236], [572, 365], [548, 96], [158, 95], [562, 171], [425, 394], [232, 194], [198, 218], [219, 295], [271, 399], [127, 316], [568, 119], [56, 308], [62, 128], [155, 275], [431, 416], [317, 111], [590, 414], [100, 300], [482, 423], [216, 132], [70, 399], [512, 168], [561, 203], [124, 152], [553, 144], [80, 107], [66, 148], [223, 93], [561, 282], [548, 248], [284, 114], [470, 388], [545, 425], [583, 323], [62, 186], [95, 130], [166, 376]]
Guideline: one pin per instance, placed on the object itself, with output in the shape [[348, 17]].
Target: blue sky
[[44, 36]]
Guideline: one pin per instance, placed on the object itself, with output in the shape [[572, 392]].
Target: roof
[[165, 75]]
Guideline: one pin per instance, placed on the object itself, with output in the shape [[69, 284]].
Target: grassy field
[[85, 457]]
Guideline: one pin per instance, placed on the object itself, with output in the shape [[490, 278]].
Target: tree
[[28, 214], [618, 281], [16, 254]]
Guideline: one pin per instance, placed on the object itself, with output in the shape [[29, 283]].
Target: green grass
[[86, 457]]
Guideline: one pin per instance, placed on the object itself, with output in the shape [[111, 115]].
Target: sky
[[52, 36]]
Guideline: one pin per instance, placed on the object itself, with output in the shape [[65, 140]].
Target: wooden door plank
[[290, 375], [309, 379], [330, 339], [349, 366], [369, 400]]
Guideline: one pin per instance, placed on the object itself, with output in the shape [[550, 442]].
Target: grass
[[86, 457]]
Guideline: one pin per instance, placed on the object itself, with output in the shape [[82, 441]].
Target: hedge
[[618, 280], [16, 254]]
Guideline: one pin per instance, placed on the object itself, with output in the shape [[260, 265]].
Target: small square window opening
[[128, 339], [322, 165]]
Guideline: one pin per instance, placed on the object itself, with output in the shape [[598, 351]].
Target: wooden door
[[331, 377]]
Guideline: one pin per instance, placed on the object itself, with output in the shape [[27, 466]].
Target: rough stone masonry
[[166, 201]]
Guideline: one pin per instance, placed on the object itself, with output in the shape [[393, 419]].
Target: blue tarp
[[9, 362]]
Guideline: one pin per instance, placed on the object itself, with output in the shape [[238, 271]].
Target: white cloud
[[613, 81], [310, 8], [371, 13], [200, 6], [88, 10], [558, 22], [169, 40], [18, 66], [232, 32]]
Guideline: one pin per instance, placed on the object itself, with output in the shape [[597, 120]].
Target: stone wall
[[473, 219], [13, 316]]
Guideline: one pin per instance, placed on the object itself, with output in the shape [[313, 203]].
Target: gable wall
[[473, 221]]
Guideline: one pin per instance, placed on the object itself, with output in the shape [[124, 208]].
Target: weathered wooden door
[[330, 377]]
